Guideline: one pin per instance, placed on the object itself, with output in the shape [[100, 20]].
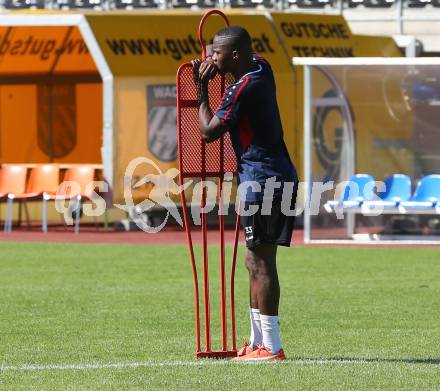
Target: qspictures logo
[[176, 48], [165, 186], [41, 48]]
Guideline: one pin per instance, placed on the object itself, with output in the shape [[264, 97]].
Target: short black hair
[[237, 36]]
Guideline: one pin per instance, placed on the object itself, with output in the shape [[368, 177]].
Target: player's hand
[[203, 71], [196, 66], [207, 70]]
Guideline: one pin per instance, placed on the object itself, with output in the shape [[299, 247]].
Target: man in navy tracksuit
[[249, 112]]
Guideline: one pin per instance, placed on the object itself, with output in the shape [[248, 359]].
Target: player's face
[[222, 55]]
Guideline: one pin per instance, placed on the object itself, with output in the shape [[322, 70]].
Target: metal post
[[232, 282], [307, 150], [206, 298], [78, 214], [44, 210], [9, 214], [224, 328], [400, 16]]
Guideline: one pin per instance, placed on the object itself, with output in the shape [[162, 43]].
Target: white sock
[[256, 337], [270, 326]]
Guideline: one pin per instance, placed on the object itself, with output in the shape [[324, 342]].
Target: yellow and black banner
[[144, 52]]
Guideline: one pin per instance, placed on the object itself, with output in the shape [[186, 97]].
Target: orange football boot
[[261, 354], [246, 349]]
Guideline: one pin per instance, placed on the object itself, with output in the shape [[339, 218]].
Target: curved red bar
[[202, 23]]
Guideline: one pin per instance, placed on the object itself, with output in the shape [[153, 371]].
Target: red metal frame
[[202, 23], [199, 160]]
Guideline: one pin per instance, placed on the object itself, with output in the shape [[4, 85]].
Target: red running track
[[174, 235], [171, 235]]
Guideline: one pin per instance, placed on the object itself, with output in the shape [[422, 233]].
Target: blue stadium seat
[[251, 3], [370, 3], [357, 190], [397, 189], [194, 3], [89, 4], [379, 3], [122, 4], [23, 4], [310, 3], [352, 3], [426, 195], [417, 3]]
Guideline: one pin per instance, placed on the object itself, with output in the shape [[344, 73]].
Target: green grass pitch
[[120, 317]]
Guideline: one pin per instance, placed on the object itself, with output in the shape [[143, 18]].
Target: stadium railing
[[336, 5]]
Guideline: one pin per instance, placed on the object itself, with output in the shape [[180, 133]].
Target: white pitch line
[[152, 364]]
